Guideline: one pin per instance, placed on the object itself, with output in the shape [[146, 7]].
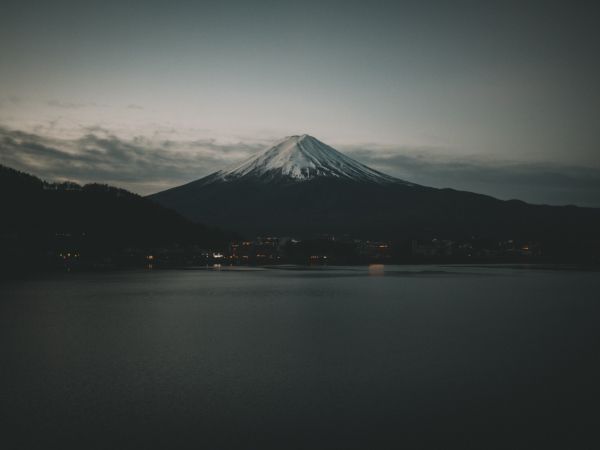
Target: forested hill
[[39, 217]]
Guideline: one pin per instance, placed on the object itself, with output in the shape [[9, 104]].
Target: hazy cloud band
[[145, 166]]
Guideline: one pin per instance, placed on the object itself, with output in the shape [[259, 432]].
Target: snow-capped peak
[[303, 157]]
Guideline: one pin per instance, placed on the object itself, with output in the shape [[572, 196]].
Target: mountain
[[303, 187], [40, 218], [302, 158]]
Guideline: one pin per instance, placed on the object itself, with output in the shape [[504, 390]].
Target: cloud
[[537, 182], [10, 100], [69, 105], [139, 164], [149, 164]]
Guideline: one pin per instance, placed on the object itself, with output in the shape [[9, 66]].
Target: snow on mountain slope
[[302, 158]]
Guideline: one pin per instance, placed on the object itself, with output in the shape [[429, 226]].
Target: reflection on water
[[376, 269], [289, 357]]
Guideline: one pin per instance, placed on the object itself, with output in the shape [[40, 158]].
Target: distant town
[[325, 250]]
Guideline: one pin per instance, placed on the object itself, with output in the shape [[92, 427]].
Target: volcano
[[303, 158], [303, 187]]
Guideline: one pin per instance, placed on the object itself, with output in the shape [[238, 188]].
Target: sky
[[500, 98]]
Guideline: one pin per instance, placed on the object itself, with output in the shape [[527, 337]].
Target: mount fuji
[[302, 187], [303, 158]]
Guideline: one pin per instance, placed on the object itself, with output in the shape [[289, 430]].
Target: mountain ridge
[[257, 198], [41, 218]]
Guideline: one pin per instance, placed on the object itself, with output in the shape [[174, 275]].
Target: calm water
[[426, 357]]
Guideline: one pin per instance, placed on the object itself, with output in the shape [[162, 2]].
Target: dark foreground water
[[417, 357]]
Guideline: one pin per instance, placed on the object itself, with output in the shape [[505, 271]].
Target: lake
[[296, 358]]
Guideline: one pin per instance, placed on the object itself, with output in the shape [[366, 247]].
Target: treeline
[[41, 220]]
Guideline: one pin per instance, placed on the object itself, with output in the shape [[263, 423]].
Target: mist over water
[[378, 357]]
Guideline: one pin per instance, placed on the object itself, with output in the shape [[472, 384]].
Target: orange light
[[376, 269]]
